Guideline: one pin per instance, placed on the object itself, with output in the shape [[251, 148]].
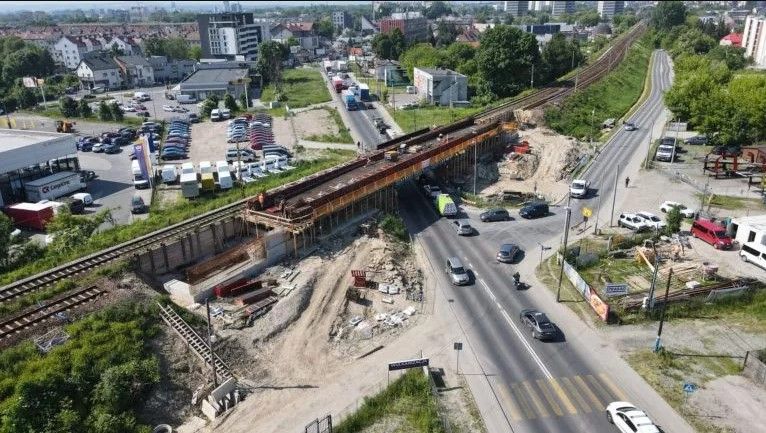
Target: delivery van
[[189, 185], [139, 181], [168, 173], [712, 233]]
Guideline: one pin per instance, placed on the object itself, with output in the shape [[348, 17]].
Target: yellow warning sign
[[587, 212]]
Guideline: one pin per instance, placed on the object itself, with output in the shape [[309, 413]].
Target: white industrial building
[[441, 86], [750, 229], [754, 40], [608, 9], [30, 155]]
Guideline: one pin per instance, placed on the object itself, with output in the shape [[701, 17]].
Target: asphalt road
[[554, 386]]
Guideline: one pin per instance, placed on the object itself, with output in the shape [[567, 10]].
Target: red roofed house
[[732, 40]]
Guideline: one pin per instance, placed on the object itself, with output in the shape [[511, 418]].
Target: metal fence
[[320, 425]]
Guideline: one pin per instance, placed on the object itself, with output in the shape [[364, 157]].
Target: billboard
[[143, 156]]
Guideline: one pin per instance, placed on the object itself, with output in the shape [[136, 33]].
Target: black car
[[534, 210], [542, 328], [497, 214], [120, 141], [697, 139], [193, 118], [112, 148]]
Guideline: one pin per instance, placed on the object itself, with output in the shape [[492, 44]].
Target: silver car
[[457, 272], [463, 227]]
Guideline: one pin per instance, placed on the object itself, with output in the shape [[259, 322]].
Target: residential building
[[608, 9], [754, 40], [217, 79], [230, 35], [538, 6], [136, 71], [738, 16], [170, 70], [731, 40], [304, 32], [341, 20], [560, 8], [413, 26], [516, 8], [99, 70], [69, 50], [441, 86], [128, 46]]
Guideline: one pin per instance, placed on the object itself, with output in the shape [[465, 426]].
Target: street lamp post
[[564, 253], [614, 195]]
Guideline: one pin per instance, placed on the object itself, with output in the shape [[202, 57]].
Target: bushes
[[394, 226]]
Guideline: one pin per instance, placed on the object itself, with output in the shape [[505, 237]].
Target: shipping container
[[208, 182], [205, 167], [187, 167], [349, 100], [189, 185], [53, 186], [224, 180], [32, 215], [364, 92]]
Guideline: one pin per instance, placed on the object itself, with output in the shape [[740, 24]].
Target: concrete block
[[224, 389], [209, 410]]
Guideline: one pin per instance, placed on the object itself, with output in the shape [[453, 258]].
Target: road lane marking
[[512, 406], [536, 400], [518, 333], [563, 396], [598, 404], [548, 396], [520, 396], [575, 394], [615, 389], [599, 387]]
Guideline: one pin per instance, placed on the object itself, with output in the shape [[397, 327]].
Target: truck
[[186, 99], [31, 215], [53, 186], [579, 188], [445, 205], [224, 175], [364, 92], [349, 100], [189, 185], [337, 84]]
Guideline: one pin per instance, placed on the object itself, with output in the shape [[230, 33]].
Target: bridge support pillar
[[183, 249], [213, 231], [164, 249]]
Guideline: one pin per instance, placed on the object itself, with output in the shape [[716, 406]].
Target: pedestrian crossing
[[559, 396]]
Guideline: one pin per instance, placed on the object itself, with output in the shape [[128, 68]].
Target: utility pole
[[239, 171], [598, 206], [649, 146], [475, 165], [654, 278], [704, 195], [675, 141], [658, 341], [564, 253], [210, 343], [532, 81], [614, 195]]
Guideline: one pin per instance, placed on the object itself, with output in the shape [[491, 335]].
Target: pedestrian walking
[[627, 181]]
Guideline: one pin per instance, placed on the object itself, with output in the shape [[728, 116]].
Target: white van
[[224, 180], [141, 96], [139, 182], [186, 99], [215, 115], [187, 167], [205, 167], [225, 113], [168, 173], [755, 253], [222, 166]]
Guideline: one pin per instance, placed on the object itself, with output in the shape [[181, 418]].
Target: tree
[[69, 231], [104, 113], [693, 41], [243, 101], [437, 9], [668, 14], [398, 43], [176, 48], [389, 45], [423, 55], [733, 57], [505, 59], [673, 221], [560, 56], [230, 103], [6, 227], [68, 107], [207, 106], [84, 108], [271, 54], [446, 34], [27, 97], [117, 113], [324, 28], [115, 50], [195, 52], [587, 18]]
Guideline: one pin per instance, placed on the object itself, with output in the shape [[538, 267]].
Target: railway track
[[19, 322], [554, 92]]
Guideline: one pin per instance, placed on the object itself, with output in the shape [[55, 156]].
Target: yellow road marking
[[536, 400], [617, 391], [577, 396], [519, 393], [599, 388], [513, 408], [598, 404], [563, 396], [549, 397]]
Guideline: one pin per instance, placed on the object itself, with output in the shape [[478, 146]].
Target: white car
[[167, 108], [666, 206], [630, 126], [129, 108], [579, 188], [632, 222], [629, 419], [652, 220]]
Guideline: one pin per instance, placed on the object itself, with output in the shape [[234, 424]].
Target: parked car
[[167, 108], [496, 214], [98, 147], [652, 220], [628, 419], [685, 211], [538, 323], [712, 233], [137, 205], [632, 222], [112, 148], [243, 155], [697, 139], [463, 227], [457, 272], [667, 141], [193, 118], [508, 253], [534, 209]]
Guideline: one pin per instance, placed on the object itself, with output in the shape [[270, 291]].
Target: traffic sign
[[689, 387], [458, 346], [587, 212]]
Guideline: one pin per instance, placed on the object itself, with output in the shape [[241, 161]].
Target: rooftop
[[134, 60], [99, 62], [437, 72], [11, 139], [215, 76]]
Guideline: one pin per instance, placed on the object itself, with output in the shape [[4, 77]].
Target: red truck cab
[[712, 233]]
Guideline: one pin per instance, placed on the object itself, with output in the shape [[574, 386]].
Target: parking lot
[[155, 107]]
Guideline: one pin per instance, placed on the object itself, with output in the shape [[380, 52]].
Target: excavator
[[65, 126]]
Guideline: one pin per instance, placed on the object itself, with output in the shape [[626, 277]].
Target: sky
[[12, 6]]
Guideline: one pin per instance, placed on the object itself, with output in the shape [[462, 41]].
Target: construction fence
[[594, 300]]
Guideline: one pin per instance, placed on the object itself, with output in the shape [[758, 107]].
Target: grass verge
[[413, 119], [302, 87], [343, 135], [611, 97], [730, 202], [55, 114], [407, 400], [177, 213]]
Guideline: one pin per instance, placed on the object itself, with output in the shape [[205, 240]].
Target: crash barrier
[[594, 300]]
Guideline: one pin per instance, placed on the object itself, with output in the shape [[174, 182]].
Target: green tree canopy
[[560, 56], [446, 33], [174, 48], [423, 55], [668, 14], [68, 107], [117, 113], [83, 108], [324, 28], [437, 9], [230, 103], [104, 113], [271, 54], [505, 59], [389, 45]]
